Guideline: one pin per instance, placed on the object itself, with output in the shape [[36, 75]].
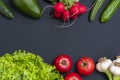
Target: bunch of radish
[[67, 10], [73, 12]]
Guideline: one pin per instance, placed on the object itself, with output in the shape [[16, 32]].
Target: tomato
[[63, 63], [72, 76], [85, 66]]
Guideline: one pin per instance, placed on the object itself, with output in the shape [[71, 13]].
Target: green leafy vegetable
[[22, 65], [67, 3]]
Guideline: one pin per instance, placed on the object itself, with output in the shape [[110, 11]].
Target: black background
[[43, 37]]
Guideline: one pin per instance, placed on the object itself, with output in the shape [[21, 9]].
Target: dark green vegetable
[[29, 7], [5, 10], [22, 65], [97, 5], [110, 10]]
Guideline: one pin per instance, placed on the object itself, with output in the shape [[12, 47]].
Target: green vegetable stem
[[29, 7], [5, 10], [103, 66], [110, 10], [68, 3], [115, 68], [109, 75], [97, 5]]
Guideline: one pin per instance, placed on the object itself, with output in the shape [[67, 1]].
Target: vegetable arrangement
[[68, 9], [84, 66], [109, 67], [22, 65], [107, 13], [28, 7]]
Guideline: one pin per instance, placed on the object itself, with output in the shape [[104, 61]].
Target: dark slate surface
[[42, 37]]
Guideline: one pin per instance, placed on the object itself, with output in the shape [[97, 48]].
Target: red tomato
[[63, 63], [85, 66], [72, 76]]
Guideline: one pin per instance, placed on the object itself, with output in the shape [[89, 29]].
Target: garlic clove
[[98, 67], [116, 60], [105, 65], [115, 70]]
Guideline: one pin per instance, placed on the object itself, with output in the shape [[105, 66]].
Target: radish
[[57, 15], [67, 10], [59, 7], [77, 3], [66, 15], [74, 10], [82, 9], [74, 16]]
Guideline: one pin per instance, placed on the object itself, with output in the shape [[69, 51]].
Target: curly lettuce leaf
[[22, 65]]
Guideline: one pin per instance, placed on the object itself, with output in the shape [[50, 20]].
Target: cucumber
[[29, 7], [110, 10], [97, 5], [4, 10]]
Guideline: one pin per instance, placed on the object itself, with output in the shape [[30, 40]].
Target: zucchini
[[110, 10], [4, 10], [97, 5]]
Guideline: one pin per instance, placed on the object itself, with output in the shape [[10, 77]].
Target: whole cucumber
[[5, 10], [97, 5], [110, 10], [29, 7]]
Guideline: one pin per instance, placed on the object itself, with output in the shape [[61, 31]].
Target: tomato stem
[[84, 64], [63, 62]]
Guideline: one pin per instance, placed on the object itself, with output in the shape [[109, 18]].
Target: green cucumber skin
[[95, 9], [5, 10], [110, 10], [29, 7]]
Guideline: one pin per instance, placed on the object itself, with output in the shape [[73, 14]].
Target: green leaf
[[23, 65], [53, 1]]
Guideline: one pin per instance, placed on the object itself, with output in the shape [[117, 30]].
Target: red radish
[[66, 15], [82, 9], [77, 3], [74, 10], [59, 7], [74, 16], [72, 76], [57, 15]]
